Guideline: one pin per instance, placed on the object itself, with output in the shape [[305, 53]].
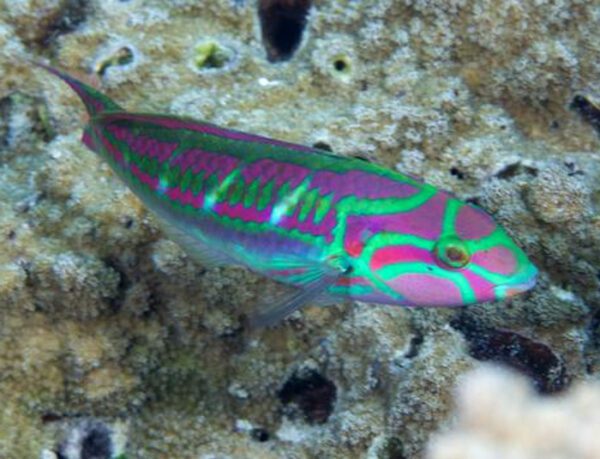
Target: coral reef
[[110, 336], [499, 415]]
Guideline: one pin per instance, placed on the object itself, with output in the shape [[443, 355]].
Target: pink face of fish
[[447, 253]]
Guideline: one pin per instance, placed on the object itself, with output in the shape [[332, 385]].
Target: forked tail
[[95, 102]]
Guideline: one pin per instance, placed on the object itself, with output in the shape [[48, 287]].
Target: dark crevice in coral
[[5, 109], [119, 58], [116, 302], [515, 169], [340, 65], [314, 394], [533, 358], [282, 23], [593, 341], [97, 444], [91, 438], [394, 449], [573, 170], [260, 435], [588, 108], [322, 146], [509, 171], [49, 417], [72, 14], [414, 346], [457, 173]]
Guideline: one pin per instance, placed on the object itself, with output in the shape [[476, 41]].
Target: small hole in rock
[[50, 417], [342, 66], [588, 107], [533, 358], [509, 171], [314, 394], [415, 346], [97, 444], [322, 146], [128, 222], [92, 437], [120, 57], [282, 23], [457, 173], [394, 449], [260, 435], [71, 14], [339, 65]]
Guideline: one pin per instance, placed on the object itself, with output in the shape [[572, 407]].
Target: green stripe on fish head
[[438, 252]]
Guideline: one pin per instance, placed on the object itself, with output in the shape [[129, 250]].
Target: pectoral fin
[[317, 279]]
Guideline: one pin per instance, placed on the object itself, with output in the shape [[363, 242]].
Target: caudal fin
[[95, 102]]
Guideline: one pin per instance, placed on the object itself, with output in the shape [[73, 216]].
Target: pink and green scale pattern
[[278, 207]]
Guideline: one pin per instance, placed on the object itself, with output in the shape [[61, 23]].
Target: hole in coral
[[588, 108], [91, 439], [282, 23], [457, 173], [211, 55], [340, 65], [71, 14], [531, 357], [513, 170], [394, 449], [314, 394], [322, 146], [509, 171], [415, 346], [260, 435], [50, 417], [120, 57], [97, 444], [128, 222]]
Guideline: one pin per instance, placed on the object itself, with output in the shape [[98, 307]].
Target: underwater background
[[114, 344]]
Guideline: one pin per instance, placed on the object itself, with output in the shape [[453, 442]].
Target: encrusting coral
[[103, 319]]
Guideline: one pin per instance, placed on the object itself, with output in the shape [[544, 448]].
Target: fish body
[[333, 227]]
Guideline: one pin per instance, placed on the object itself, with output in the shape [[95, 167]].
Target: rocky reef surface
[[113, 343]]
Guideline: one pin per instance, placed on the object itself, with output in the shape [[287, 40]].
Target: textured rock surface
[[110, 334]]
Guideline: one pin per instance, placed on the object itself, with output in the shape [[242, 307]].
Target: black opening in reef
[[282, 23]]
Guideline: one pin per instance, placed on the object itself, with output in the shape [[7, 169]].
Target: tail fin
[[95, 102]]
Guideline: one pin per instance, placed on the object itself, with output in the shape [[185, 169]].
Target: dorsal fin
[[95, 102]]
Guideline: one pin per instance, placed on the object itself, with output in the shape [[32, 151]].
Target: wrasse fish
[[333, 227]]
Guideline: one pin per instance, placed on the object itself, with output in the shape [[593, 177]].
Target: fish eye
[[452, 252]]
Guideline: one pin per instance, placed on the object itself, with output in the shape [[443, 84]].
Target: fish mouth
[[515, 288]]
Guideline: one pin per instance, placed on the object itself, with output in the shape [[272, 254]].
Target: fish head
[[472, 259]]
